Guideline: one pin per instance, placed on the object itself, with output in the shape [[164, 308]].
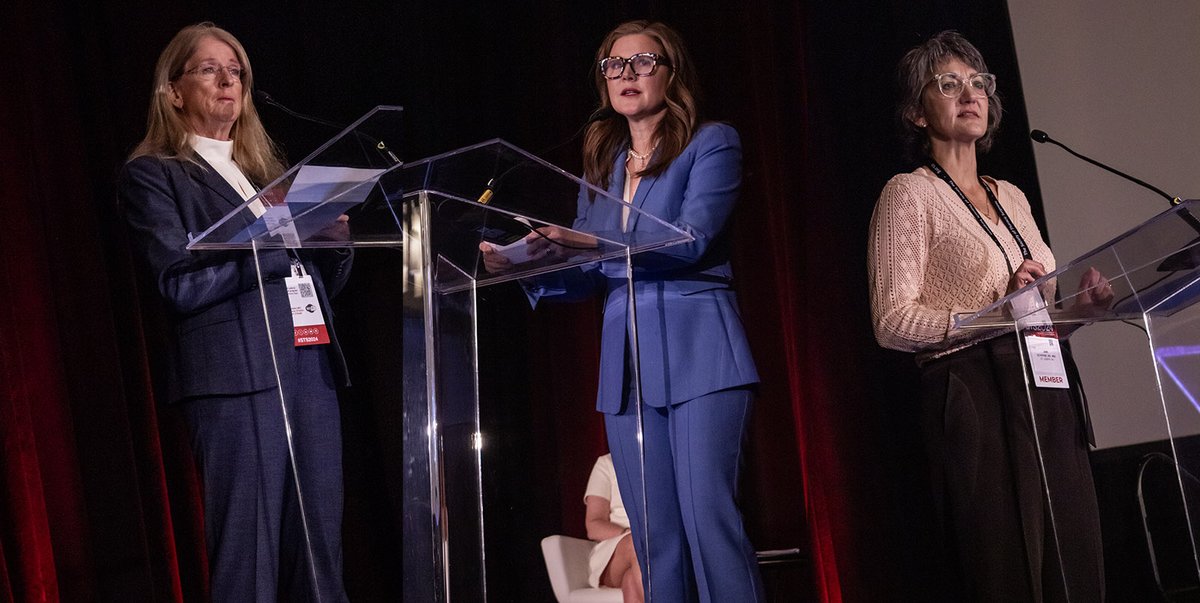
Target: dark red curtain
[[95, 484], [98, 497]]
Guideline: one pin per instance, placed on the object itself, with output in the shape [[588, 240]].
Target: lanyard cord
[[1012, 229]]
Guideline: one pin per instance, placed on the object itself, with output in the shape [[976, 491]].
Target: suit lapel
[[617, 189], [208, 176], [203, 173], [639, 199]]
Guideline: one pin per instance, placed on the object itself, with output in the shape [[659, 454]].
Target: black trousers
[[1007, 534]]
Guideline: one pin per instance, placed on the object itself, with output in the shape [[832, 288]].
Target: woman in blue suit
[[204, 154], [697, 374]]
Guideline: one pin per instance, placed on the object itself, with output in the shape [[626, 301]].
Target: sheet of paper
[[317, 183], [317, 196]]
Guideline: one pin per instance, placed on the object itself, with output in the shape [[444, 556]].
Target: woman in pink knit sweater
[[1015, 523]]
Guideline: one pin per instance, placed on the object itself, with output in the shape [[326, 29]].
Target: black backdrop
[[99, 499]]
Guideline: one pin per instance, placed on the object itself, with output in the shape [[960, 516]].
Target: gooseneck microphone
[[600, 114], [1042, 137], [509, 226], [1185, 259], [262, 97]]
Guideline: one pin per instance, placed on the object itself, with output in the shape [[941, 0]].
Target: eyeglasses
[[209, 71], [642, 63], [951, 84]]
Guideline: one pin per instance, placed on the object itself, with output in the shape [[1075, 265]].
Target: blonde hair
[[604, 138], [167, 132]]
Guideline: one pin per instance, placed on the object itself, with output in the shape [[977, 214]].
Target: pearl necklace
[[640, 157]]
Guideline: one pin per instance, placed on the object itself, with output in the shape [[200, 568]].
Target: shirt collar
[[211, 148]]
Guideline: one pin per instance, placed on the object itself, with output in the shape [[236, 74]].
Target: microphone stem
[[1173, 200], [297, 115], [1185, 215], [378, 144]]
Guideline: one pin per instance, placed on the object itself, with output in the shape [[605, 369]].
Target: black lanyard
[[1012, 229]]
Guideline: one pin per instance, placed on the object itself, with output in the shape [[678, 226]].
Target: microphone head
[[1039, 136]]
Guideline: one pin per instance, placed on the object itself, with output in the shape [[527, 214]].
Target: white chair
[[567, 565]]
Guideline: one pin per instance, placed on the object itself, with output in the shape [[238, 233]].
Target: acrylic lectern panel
[[302, 207], [1153, 271], [496, 193], [428, 218], [491, 191]]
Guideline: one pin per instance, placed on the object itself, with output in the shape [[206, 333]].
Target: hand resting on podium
[[1095, 295], [338, 230], [544, 243]]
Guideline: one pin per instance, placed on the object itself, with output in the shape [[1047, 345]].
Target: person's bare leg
[[623, 572], [631, 585]]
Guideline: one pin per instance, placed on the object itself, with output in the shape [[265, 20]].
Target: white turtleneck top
[[219, 154]]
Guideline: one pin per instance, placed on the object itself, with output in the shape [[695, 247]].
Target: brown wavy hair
[[915, 70], [605, 138], [167, 132]]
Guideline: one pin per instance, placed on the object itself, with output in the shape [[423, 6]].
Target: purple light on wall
[[1162, 354]]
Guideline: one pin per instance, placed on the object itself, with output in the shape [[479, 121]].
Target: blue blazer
[[219, 344], [690, 331]]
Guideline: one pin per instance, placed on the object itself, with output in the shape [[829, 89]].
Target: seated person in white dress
[[612, 562]]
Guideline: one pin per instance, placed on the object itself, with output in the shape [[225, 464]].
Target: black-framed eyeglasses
[[210, 71], [951, 84], [642, 64]]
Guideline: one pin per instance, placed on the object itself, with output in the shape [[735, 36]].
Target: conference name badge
[[1046, 358], [1041, 341], [308, 323]]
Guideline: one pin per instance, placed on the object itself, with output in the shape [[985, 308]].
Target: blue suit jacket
[[690, 331], [219, 345]]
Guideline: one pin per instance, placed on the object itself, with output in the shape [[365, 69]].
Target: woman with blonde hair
[[262, 438]]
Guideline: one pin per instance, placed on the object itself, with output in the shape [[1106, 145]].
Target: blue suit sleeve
[[714, 183], [573, 284]]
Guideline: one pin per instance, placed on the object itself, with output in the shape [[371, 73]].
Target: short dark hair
[[917, 67]]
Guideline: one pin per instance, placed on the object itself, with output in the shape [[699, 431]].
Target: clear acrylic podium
[[1154, 274], [433, 214]]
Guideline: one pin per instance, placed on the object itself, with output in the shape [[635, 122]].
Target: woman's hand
[[493, 261], [339, 230], [1095, 292], [557, 242], [549, 242], [1027, 272]]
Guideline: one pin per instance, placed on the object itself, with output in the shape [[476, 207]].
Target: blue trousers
[[687, 529], [258, 541]]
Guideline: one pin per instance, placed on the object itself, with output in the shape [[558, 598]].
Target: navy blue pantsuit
[[259, 540], [222, 371]]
